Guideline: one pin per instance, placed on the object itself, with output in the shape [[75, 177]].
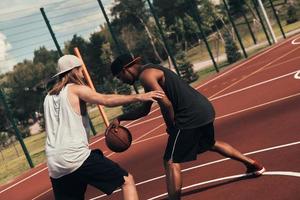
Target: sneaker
[[255, 169]]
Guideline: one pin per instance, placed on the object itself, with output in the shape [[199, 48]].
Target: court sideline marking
[[297, 75], [294, 41], [210, 163], [270, 173], [255, 72]]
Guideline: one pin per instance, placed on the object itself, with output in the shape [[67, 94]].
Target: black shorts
[[97, 170], [184, 145]]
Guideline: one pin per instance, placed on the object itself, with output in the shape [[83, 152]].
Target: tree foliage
[[231, 48], [24, 87], [291, 14]]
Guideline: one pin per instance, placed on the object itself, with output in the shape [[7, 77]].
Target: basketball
[[118, 139]]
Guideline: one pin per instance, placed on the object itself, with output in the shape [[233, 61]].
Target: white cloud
[[6, 63]]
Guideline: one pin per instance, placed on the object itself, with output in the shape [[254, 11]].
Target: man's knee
[[215, 146], [168, 164], [171, 165]]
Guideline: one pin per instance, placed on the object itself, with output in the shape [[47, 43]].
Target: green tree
[[44, 56], [231, 48], [4, 124], [99, 59], [79, 42], [185, 68], [291, 14], [22, 97], [134, 13], [96, 54], [179, 20], [237, 9]]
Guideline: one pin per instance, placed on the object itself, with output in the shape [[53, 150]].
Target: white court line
[[271, 173], [294, 41], [260, 105], [235, 67], [28, 177], [247, 61], [144, 140], [252, 86], [42, 194], [207, 164], [297, 75], [145, 121], [255, 72], [135, 141]]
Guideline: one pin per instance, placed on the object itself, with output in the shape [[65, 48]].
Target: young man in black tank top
[[188, 116]]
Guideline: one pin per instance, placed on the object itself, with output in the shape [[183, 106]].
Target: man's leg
[[129, 189], [173, 179], [253, 168], [228, 151]]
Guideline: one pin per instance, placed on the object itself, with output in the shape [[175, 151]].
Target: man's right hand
[[114, 124]]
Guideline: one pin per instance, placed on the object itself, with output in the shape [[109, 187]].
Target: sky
[[23, 29]]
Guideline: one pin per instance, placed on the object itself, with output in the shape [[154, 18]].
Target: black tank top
[[191, 108]]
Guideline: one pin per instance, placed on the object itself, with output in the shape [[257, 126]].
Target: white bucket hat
[[66, 63]]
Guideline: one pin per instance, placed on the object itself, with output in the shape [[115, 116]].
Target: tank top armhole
[[68, 102]]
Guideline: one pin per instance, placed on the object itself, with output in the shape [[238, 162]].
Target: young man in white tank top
[[71, 164]]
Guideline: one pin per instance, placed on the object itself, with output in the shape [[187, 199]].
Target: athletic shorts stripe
[[174, 145], [188, 143]]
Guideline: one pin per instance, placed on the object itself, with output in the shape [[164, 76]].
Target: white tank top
[[67, 135]]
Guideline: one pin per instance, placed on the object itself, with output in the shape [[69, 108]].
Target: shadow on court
[[198, 190]]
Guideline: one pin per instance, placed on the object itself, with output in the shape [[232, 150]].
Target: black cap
[[121, 62]]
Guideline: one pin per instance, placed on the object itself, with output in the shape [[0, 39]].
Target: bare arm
[[152, 81], [88, 95], [141, 111]]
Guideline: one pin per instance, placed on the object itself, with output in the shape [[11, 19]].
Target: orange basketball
[[118, 139]]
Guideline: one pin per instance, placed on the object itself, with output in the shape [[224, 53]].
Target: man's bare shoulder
[[150, 74]]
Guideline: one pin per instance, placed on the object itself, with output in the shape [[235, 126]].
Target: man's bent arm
[[151, 83], [139, 112]]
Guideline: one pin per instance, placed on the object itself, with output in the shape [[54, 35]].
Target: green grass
[[13, 163]]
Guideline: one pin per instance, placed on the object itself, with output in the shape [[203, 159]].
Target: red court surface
[[257, 104]]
